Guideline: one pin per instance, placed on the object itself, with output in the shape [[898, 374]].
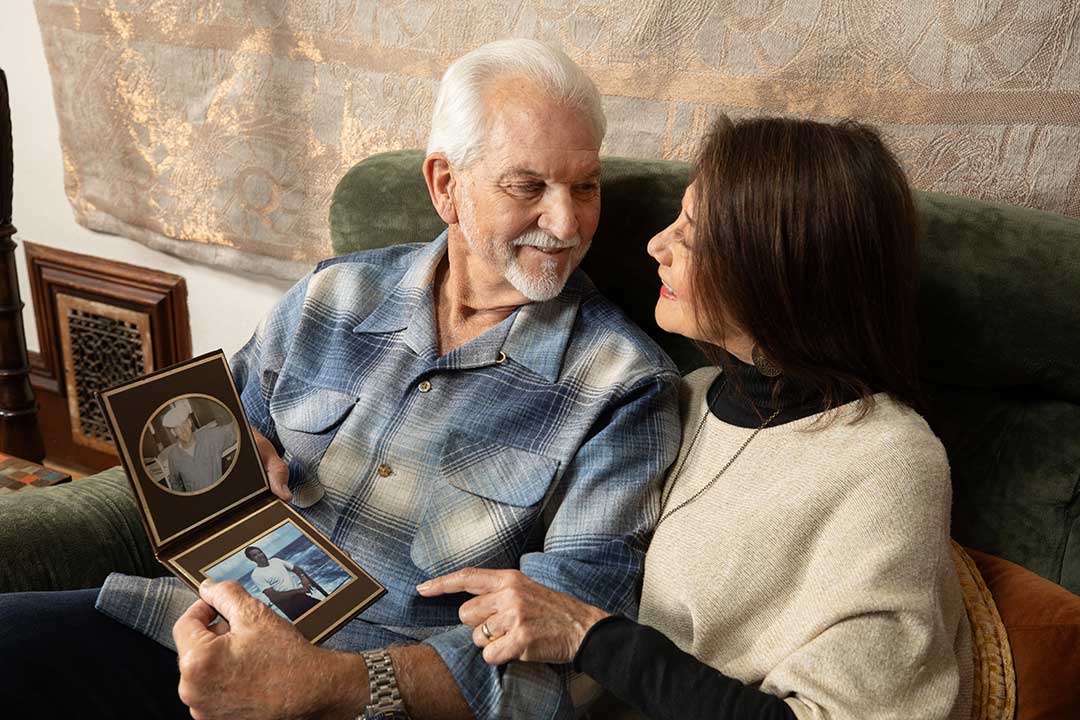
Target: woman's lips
[[667, 293]]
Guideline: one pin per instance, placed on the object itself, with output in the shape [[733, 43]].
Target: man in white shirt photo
[[287, 586], [195, 459]]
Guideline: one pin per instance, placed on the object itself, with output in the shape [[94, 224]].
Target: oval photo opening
[[190, 444]]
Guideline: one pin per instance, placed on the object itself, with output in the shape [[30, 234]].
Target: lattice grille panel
[[103, 345]]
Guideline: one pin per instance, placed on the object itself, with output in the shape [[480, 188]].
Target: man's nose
[[558, 217]]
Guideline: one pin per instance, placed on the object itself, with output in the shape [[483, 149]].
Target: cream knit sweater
[[818, 565]]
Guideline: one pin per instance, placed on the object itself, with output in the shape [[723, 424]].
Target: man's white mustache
[[541, 239]]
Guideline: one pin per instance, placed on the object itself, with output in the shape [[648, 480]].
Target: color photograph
[[284, 569]]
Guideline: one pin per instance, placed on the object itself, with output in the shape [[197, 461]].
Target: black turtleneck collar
[[736, 406]]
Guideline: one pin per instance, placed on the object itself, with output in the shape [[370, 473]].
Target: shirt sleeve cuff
[[516, 689]]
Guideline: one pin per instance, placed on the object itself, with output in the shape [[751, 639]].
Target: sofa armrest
[[73, 535]]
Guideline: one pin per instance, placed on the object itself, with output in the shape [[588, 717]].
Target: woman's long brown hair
[[807, 239]]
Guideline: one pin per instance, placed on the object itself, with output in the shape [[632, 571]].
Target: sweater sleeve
[[645, 669], [890, 636]]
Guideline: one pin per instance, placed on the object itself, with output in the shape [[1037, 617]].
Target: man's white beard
[[550, 281], [537, 287]]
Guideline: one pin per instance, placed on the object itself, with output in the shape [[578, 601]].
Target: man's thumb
[[230, 600]]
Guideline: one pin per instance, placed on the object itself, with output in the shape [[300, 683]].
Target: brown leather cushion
[[1043, 624]]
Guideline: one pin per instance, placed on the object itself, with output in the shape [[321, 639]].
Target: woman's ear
[[441, 184]]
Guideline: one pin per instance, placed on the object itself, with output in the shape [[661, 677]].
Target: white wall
[[224, 305]]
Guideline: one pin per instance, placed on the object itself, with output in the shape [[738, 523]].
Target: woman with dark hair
[[801, 565]]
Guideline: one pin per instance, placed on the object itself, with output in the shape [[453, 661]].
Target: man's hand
[[275, 467], [527, 621], [255, 665]]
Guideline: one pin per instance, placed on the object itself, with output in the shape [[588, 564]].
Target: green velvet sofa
[[1000, 321]]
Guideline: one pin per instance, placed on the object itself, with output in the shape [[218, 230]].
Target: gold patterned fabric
[[217, 129]]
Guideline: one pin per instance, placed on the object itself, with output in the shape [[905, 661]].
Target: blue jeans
[[61, 658]]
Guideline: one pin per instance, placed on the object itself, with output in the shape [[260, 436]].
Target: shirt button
[[384, 470], [424, 386]]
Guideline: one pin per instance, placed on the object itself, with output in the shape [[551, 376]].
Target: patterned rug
[[17, 474]]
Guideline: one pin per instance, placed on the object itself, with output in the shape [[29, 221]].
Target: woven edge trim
[[992, 660]]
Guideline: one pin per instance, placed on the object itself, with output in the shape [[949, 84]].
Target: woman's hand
[[526, 620]]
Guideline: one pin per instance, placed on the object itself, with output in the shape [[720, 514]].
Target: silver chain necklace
[[678, 471]]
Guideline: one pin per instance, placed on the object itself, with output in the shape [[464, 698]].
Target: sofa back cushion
[[999, 319]]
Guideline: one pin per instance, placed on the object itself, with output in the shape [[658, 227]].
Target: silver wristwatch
[[385, 698]]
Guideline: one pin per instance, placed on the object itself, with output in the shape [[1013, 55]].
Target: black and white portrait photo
[[189, 444]]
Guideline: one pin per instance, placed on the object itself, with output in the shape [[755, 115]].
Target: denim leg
[[61, 658]]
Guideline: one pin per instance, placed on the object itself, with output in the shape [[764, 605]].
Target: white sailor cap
[[176, 414]]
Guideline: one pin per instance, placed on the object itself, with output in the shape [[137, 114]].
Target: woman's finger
[[502, 650], [476, 581], [479, 639], [478, 609]]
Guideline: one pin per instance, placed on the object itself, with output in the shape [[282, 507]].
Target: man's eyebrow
[[524, 172], [519, 172]]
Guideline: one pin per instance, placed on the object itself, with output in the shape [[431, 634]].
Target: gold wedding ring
[[487, 633]]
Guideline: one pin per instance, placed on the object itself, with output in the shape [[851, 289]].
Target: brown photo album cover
[[207, 505]]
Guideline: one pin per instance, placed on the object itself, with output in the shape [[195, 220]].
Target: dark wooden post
[[19, 431]]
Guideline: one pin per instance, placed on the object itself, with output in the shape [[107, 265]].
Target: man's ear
[[441, 184]]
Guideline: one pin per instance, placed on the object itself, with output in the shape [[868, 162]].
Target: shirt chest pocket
[[485, 501], [307, 418]]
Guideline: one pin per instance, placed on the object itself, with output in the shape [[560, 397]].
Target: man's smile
[[549, 251]]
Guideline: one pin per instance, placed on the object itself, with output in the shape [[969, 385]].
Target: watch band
[[385, 698]]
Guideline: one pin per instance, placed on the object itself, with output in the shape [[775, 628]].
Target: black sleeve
[[643, 668]]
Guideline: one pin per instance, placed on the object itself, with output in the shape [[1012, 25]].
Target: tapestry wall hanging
[[216, 130]]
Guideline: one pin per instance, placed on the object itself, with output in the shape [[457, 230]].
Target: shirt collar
[[541, 331], [397, 310], [537, 337]]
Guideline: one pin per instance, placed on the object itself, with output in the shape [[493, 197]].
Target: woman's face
[[672, 248]]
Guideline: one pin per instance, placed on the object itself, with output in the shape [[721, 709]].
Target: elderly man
[[472, 401]]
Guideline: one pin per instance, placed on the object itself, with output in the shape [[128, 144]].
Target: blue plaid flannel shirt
[[539, 445]]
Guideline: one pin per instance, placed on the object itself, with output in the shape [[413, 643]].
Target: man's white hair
[[459, 121]]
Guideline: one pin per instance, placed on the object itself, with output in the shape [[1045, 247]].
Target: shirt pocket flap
[[482, 511], [497, 472], [306, 408]]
